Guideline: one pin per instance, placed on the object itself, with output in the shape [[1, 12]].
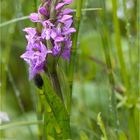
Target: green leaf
[[65, 88], [51, 126], [102, 127], [122, 136], [57, 107], [83, 136]]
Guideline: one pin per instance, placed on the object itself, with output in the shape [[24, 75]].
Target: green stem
[[90, 9], [40, 114], [13, 21], [17, 94], [74, 48], [27, 17], [52, 10], [127, 26], [134, 116], [138, 50], [118, 45], [17, 124], [133, 123], [35, 5], [4, 62], [106, 48], [55, 82], [129, 38], [138, 61]]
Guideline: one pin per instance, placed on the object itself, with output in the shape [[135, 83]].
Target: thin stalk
[[106, 48], [118, 45], [40, 114], [13, 21], [27, 17], [110, 76], [16, 91], [128, 33], [138, 49], [4, 62], [133, 123], [74, 47], [40, 101], [136, 112], [129, 38], [17, 124], [88, 9], [138, 60], [18, 98], [134, 120]]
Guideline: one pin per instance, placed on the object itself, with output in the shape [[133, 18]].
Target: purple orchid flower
[[57, 31], [36, 58]]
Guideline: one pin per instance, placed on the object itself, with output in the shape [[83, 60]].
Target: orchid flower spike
[[54, 36]]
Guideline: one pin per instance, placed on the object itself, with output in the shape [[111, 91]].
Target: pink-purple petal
[[43, 11], [59, 6], [67, 11], [65, 18], [34, 17], [67, 1], [59, 39], [69, 31]]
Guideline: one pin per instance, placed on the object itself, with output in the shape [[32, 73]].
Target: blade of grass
[[133, 123], [134, 113], [106, 47], [89, 9], [74, 47], [17, 94], [118, 45], [17, 124], [138, 50], [4, 62], [16, 91], [128, 33], [27, 17], [13, 21], [40, 113], [137, 116], [102, 126]]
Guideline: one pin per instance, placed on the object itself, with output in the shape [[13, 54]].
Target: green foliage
[[102, 127], [56, 111]]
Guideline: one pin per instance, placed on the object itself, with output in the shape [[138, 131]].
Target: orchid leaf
[[65, 88], [57, 108]]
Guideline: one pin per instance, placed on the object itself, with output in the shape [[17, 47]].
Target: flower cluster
[[51, 36]]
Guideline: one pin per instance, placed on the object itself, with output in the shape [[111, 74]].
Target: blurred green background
[[92, 90]]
